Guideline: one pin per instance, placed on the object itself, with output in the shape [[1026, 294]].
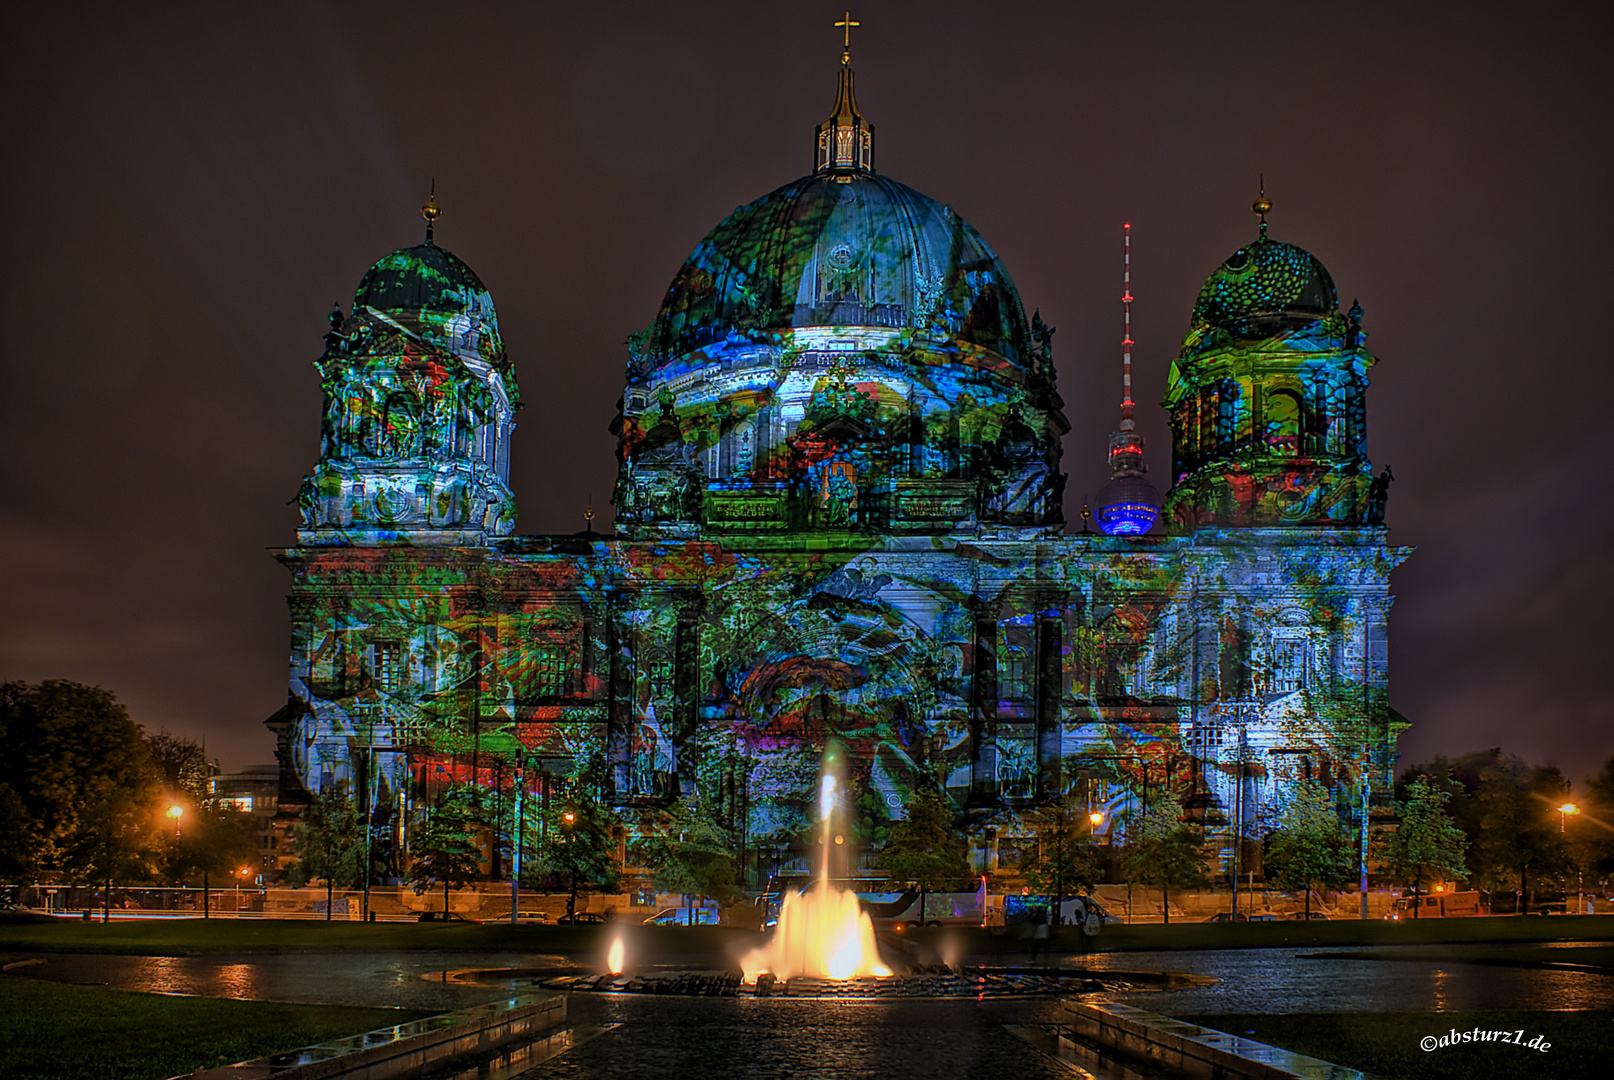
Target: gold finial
[[846, 40], [1262, 205], [588, 515], [431, 211]]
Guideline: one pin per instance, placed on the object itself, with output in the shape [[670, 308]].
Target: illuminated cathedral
[[838, 514]]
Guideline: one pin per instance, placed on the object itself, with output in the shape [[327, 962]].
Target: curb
[[1191, 1050], [406, 1050]]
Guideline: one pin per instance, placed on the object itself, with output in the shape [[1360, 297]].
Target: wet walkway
[[1250, 980]]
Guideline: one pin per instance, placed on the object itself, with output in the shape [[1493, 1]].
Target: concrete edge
[[1194, 1051], [406, 1050]]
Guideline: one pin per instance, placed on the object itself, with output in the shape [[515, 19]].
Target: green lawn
[[57, 1031], [1386, 1045]]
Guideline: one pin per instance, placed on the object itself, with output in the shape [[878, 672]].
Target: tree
[[1593, 839], [1518, 827], [1065, 858], [926, 848], [1168, 855], [582, 840], [692, 856], [180, 765], [76, 786], [329, 844], [1309, 847], [1427, 843], [444, 845], [213, 841]]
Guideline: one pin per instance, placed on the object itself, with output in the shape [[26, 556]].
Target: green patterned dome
[[424, 280], [1266, 279]]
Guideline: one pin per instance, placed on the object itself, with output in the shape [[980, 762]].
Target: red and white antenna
[[1126, 321]]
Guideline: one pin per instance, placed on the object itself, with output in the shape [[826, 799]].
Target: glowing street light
[[1096, 817], [176, 812], [1564, 812]]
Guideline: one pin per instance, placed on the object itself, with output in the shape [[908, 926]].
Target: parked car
[[445, 916], [580, 917], [1315, 916], [1226, 916], [681, 917]]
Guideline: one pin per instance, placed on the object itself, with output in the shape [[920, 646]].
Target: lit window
[[387, 667], [1015, 663], [1290, 655], [541, 672]]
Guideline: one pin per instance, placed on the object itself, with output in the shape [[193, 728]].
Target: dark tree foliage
[[1519, 839], [580, 849], [1591, 839], [1426, 845], [1310, 846], [214, 844], [1169, 855], [927, 848], [77, 796], [691, 856], [1062, 860], [329, 845], [1507, 808], [180, 766], [445, 846]]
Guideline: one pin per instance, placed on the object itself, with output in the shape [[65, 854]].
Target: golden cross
[[846, 44]]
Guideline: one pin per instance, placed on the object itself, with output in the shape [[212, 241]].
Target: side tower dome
[[843, 352], [419, 404], [1268, 399]]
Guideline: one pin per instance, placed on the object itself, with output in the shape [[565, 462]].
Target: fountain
[[614, 958], [822, 933], [822, 948]]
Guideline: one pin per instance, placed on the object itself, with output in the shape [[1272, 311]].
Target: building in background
[[254, 791], [838, 513]]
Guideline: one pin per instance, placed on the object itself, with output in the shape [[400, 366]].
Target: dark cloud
[[188, 188]]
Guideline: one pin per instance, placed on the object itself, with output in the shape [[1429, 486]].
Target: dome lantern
[[844, 143]]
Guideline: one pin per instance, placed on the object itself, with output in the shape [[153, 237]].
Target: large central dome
[[840, 249], [841, 354]]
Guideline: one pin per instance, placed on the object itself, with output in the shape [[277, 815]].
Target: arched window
[[400, 426], [1282, 413], [1227, 414]]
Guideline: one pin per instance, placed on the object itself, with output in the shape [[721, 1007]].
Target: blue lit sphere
[[1128, 506]]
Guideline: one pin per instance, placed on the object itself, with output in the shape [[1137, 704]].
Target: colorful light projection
[[838, 518], [842, 353], [420, 401], [1268, 399]]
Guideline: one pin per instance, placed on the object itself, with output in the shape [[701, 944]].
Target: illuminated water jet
[[615, 957], [822, 932]]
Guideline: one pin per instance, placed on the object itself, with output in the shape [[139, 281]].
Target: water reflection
[[1250, 980], [238, 981]]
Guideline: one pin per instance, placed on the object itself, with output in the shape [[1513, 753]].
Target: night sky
[[187, 189]]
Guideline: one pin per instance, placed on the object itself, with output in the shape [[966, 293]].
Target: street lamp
[[176, 812], [1564, 812]]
